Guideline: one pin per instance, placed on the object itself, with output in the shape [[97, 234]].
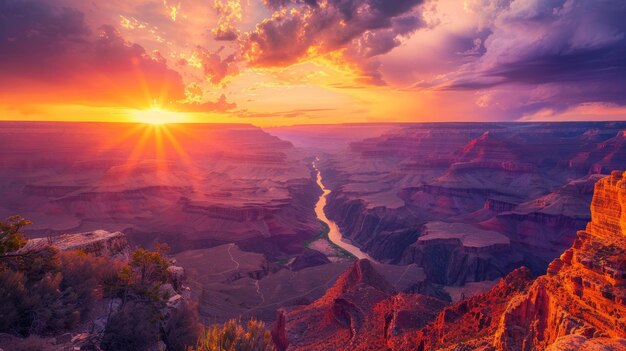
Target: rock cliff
[[96, 243], [583, 293], [580, 304]]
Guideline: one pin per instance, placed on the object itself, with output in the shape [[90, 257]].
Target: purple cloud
[[575, 50]]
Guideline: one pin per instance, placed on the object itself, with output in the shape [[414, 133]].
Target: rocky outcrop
[[457, 253], [309, 258], [581, 302], [584, 292], [360, 312], [475, 318], [96, 243]]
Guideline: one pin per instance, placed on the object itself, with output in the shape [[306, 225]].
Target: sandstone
[[97, 243], [581, 343], [361, 311]]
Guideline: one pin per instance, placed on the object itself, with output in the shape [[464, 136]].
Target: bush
[[11, 234], [12, 298], [183, 328], [134, 327], [232, 336], [47, 292]]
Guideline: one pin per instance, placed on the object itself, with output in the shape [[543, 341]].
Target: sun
[[157, 116]]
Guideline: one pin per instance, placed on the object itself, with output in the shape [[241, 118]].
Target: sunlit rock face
[[584, 292], [580, 304], [96, 243], [191, 186]]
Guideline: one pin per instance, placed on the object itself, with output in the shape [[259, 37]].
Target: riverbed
[[334, 234]]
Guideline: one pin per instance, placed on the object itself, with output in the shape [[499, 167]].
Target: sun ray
[[115, 141], [137, 153], [185, 159], [159, 149]]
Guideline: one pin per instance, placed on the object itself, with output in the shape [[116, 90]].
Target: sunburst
[[157, 116]]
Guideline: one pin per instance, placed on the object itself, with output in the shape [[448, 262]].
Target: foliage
[[11, 234], [46, 291], [182, 328], [134, 327], [233, 336], [137, 325]]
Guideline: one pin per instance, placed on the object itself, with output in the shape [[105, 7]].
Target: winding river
[[334, 234]]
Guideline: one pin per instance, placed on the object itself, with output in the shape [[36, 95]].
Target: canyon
[[191, 187], [276, 221], [468, 202], [579, 304]]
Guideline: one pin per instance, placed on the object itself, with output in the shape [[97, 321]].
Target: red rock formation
[[474, 319], [580, 304], [582, 295], [359, 312], [584, 292]]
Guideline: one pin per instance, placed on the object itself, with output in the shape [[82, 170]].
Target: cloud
[[32, 33], [214, 67], [298, 30], [229, 15], [297, 113], [559, 53], [220, 105], [50, 54]]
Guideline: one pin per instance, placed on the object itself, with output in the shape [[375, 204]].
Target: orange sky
[[281, 62]]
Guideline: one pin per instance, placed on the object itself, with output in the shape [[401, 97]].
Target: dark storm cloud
[[576, 50], [32, 34], [365, 28]]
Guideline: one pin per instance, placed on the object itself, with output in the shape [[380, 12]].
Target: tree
[[11, 235], [150, 266]]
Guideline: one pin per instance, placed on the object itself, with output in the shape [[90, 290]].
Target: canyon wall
[[191, 186], [580, 304], [531, 183]]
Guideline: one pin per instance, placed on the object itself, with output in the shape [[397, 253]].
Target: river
[[334, 234]]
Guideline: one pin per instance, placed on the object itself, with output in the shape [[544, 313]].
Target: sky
[[284, 62]]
